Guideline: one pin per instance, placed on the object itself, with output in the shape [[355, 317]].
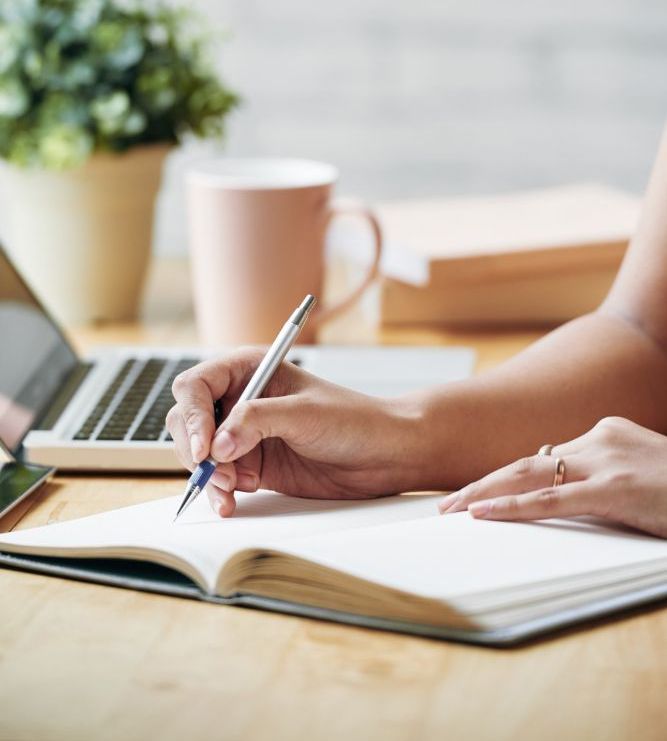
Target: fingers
[[176, 428], [524, 475], [196, 391], [222, 502], [221, 486], [567, 500], [225, 477], [240, 476], [194, 404], [192, 421], [248, 470], [596, 480], [251, 422], [220, 489], [225, 473]]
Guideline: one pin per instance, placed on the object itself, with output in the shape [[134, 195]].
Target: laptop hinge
[[64, 396]]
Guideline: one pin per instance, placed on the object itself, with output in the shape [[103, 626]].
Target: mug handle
[[356, 208]]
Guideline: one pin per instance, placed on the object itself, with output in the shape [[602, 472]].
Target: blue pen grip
[[202, 474]]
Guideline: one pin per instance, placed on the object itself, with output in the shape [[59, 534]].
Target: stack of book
[[535, 257]]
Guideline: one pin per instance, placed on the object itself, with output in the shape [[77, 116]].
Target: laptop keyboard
[[136, 402]]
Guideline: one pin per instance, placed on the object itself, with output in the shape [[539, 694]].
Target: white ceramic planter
[[82, 238]]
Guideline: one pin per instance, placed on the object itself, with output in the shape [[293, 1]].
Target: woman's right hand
[[305, 436]]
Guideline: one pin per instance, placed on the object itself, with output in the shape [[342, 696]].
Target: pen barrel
[[260, 378], [270, 362]]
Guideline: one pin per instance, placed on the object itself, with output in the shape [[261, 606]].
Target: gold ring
[[545, 450], [559, 475]]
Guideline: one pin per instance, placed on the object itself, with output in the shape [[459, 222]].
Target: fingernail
[[448, 502], [481, 509], [218, 503], [195, 447], [223, 444]]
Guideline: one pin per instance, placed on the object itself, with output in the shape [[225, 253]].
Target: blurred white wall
[[423, 97]]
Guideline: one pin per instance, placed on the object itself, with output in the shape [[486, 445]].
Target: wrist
[[411, 464], [438, 443]]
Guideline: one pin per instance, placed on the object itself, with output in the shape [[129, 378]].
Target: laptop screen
[[35, 358]]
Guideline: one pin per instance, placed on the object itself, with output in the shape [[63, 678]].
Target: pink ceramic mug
[[257, 232]]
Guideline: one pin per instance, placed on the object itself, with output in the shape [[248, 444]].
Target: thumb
[[250, 422]]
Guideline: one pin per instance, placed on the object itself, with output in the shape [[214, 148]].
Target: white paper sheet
[[450, 556], [205, 540]]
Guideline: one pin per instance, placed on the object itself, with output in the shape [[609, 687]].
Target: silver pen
[[260, 378]]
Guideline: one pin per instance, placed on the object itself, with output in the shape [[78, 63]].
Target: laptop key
[[149, 435], [151, 426], [110, 435], [121, 420], [93, 419]]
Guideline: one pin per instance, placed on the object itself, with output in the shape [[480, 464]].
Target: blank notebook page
[[450, 556], [202, 538]]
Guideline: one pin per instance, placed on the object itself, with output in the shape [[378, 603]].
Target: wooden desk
[[80, 661]]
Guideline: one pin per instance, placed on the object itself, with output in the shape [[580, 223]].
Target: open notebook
[[390, 563]]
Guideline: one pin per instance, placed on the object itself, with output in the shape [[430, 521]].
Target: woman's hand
[[618, 471], [304, 437]]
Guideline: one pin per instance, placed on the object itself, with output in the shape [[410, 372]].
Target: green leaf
[[14, 98], [11, 43], [65, 146], [120, 45]]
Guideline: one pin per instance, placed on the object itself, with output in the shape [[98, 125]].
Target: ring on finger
[[559, 474]]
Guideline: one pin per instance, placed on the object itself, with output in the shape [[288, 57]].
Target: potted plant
[[93, 94]]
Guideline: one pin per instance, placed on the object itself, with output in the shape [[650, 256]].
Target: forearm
[[593, 367]]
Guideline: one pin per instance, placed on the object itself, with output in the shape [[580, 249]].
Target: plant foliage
[[78, 76]]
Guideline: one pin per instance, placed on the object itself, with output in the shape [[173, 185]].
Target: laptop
[[107, 411]]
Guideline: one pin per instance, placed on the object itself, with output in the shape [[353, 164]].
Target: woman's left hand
[[617, 470]]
